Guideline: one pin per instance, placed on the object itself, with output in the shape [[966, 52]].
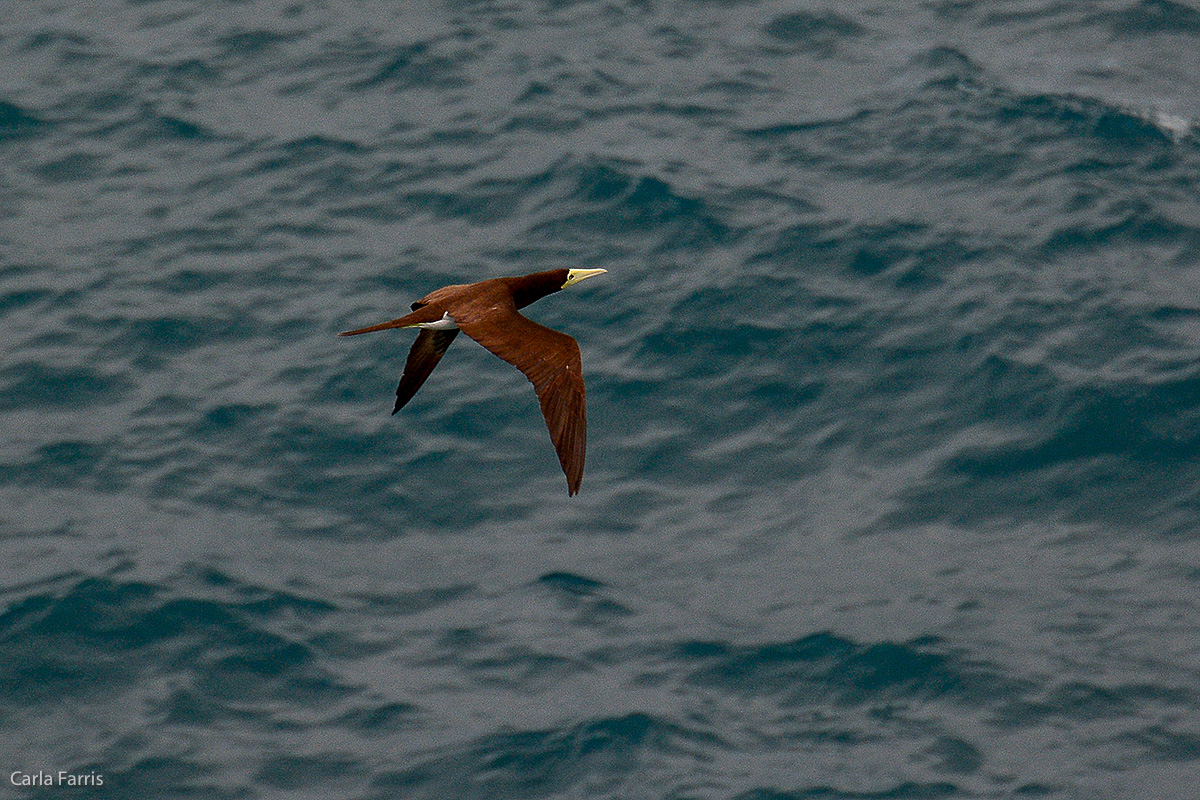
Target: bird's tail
[[407, 321]]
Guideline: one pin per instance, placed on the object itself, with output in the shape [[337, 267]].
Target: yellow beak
[[576, 275]]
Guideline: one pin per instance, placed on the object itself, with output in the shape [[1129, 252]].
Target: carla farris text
[[60, 778]]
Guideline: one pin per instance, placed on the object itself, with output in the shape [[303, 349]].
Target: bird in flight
[[488, 312]]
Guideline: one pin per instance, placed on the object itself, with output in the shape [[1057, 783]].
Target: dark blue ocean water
[[892, 487]]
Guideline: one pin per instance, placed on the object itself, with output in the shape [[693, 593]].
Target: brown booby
[[487, 312]]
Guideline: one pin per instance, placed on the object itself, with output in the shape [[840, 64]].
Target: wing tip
[[574, 479]]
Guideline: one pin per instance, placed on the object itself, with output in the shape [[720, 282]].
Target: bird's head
[[574, 276]]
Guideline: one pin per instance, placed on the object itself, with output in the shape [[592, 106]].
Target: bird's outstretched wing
[[425, 354], [551, 362]]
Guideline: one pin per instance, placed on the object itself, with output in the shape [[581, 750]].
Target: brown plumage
[[487, 312]]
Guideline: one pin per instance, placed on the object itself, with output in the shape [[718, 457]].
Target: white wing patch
[[446, 323]]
